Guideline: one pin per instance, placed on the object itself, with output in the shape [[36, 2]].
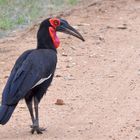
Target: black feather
[[29, 68]]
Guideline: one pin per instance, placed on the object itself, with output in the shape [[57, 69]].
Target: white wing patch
[[42, 80]]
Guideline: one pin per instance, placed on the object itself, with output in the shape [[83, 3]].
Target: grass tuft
[[6, 24], [72, 2], [17, 13]]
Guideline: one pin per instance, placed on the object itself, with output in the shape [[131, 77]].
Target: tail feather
[[5, 113]]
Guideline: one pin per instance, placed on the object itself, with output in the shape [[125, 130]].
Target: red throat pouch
[[54, 37]]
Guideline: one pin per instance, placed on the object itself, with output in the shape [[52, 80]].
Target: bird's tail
[[5, 113]]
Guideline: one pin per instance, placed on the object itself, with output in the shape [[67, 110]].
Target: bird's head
[[56, 24]]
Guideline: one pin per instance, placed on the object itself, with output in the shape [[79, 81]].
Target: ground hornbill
[[34, 71]]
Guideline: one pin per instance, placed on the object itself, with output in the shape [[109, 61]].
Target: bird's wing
[[12, 75], [26, 74], [23, 78]]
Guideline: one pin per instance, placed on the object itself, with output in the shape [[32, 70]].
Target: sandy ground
[[99, 80]]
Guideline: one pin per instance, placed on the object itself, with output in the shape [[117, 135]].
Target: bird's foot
[[37, 129]]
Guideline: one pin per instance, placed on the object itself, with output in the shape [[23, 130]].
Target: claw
[[37, 129], [32, 131], [42, 129]]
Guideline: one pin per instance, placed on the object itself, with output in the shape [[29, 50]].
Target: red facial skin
[[52, 30]]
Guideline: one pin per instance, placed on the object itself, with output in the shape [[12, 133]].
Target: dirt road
[[99, 80]]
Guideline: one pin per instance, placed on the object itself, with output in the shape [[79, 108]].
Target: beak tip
[[83, 40]]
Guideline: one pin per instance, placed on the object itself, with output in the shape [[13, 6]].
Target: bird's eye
[[56, 23]]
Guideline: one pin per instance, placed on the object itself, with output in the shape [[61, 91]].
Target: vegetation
[[19, 13]]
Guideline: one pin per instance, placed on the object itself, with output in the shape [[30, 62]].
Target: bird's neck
[[44, 44], [44, 40]]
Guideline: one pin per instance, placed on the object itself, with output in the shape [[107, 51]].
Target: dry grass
[[18, 14]]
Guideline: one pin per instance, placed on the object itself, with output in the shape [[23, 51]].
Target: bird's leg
[[36, 121], [30, 108]]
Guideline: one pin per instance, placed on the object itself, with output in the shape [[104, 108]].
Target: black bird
[[34, 70]]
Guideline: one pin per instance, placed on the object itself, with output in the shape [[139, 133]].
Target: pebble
[[59, 102], [58, 75]]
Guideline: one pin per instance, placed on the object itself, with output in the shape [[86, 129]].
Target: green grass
[[72, 2], [2, 2], [6, 23], [17, 13]]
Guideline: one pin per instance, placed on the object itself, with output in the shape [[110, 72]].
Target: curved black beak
[[66, 28]]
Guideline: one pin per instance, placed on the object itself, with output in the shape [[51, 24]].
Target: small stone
[[69, 77], [59, 102], [63, 54], [137, 120], [91, 123], [123, 27], [58, 75], [5, 77], [68, 66]]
